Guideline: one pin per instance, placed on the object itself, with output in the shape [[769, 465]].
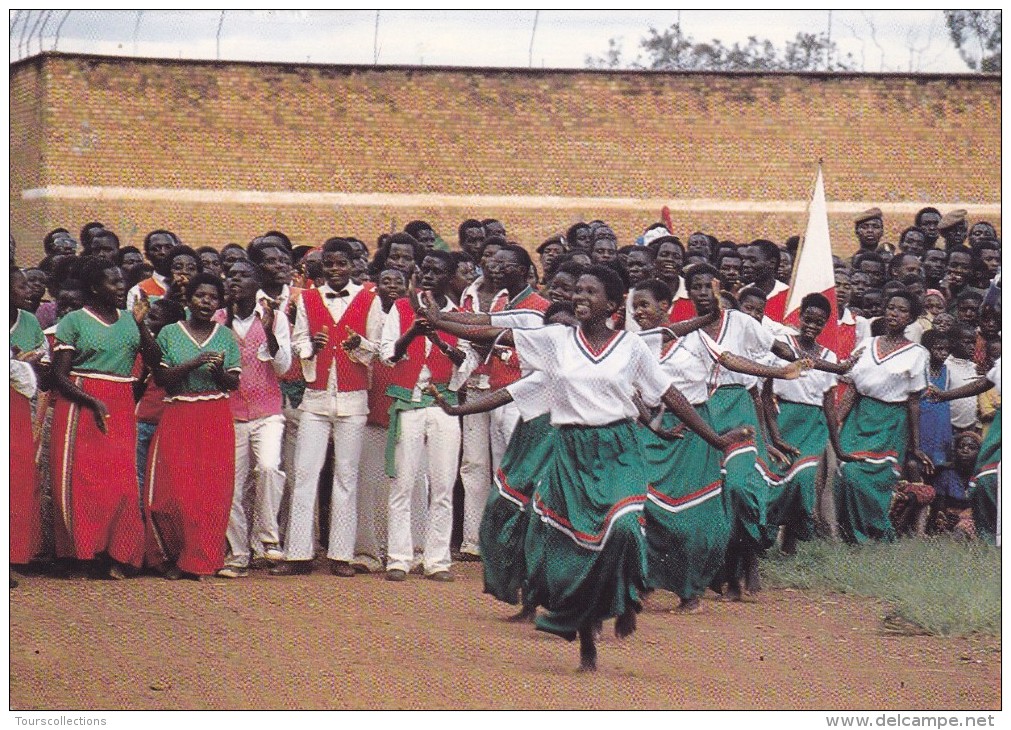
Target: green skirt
[[506, 514], [875, 431], [746, 474], [585, 549], [791, 501], [687, 524], [983, 489]]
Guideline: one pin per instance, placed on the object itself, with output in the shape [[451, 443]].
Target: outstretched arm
[[750, 367], [974, 387], [681, 408], [680, 329], [480, 403]]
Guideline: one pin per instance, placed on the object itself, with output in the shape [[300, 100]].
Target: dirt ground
[[320, 642]]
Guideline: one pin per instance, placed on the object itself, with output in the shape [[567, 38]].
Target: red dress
[[26, 502]]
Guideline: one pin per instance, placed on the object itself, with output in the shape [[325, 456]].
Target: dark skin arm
[[849, 398], [455, 354], [62, 361], [267, 320], [167, 377], [149, 350], [750, 367], [482, 402], [976, 387], [652, 422], [766, 407], [785, 352], [828, 405], [681, 408], [680, 329]]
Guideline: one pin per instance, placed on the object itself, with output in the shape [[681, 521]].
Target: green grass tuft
[[944, 587]]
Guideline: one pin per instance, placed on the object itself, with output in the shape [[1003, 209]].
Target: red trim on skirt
[[190, 479], [94, 476], [26, 500]]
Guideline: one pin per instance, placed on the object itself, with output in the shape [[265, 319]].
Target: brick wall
[[540, 141]]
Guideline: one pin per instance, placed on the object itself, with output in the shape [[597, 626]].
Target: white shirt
[[134, 294], [964, 411], [330, 402], [739, 334], [388, 343], [891, 378], [280, 362], [994, 375], [23, 378], [587, 388], [531, 396], [810, 388]]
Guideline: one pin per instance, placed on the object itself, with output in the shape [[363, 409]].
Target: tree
[[976, 34], [673, 50]]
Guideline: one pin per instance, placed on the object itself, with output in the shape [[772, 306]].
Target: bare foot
[[526, 615], [624, 625], [732, 593], [689, 606]]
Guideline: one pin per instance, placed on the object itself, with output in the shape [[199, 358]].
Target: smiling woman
[[190, 472], [94, 455]]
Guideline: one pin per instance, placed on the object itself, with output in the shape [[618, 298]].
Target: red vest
[[681, 310], [775, 306], [505, 365], [351, 375], [406, 371]]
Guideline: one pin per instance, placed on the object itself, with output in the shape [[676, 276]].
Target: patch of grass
[[942, 586]]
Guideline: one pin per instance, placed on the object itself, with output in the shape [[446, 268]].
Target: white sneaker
[[366, 564], [273, 552], [233, 571]]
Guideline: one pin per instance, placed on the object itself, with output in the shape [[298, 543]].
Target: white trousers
[[373, 496], [476, 475], [292, 417], [257, 449], [310, 452], [424, 431]]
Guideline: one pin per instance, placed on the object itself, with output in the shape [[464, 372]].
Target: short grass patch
[[939, 585]]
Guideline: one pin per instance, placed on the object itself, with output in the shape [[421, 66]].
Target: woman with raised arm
[[883, 426], [94, 455], [804, 412], [191, 463], [586, 552], [984, 484], [687, 527]]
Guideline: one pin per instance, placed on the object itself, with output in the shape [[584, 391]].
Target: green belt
[[402, 402]]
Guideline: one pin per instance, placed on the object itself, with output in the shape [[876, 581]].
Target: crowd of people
[[594, 425]]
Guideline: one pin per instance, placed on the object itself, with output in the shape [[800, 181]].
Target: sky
[[888, 41]]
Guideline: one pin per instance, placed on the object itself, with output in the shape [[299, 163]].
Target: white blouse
[[893, 377], [810, 388], [532, 395], [739, 334], [592, 388]]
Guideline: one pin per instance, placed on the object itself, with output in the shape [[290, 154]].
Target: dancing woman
[[588, 542], [883, 425]]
